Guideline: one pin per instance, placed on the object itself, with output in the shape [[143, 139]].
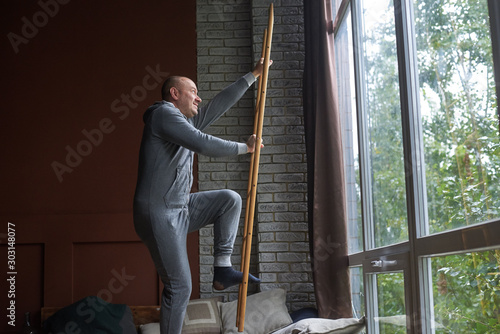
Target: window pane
[[466, 292], [336, 5], [391, 303], [347, 103], [383, 121], [458, 107]]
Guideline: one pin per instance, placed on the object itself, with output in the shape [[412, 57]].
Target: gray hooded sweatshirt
[[166, 155]]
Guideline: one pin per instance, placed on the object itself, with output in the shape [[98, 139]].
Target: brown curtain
[[325, 170]]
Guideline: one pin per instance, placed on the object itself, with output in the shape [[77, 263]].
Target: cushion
[[325, 326], [265, 312], [304, 313], [202, 317], [152, 328], [91, 315]]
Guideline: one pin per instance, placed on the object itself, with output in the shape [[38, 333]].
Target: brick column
[[229, 43]]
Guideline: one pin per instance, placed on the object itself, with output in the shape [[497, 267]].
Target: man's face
[[188, 98]]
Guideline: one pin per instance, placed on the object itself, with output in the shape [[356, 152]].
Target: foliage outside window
[[382, 108], [466, 292], [391, 300], [462, 155], [458, 107]]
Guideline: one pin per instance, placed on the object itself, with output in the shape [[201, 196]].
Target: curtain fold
[[325, 170]]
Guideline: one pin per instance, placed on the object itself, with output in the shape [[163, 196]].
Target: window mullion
[[371, 302], [413, 152]]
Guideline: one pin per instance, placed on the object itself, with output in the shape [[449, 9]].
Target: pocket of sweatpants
[[178, 194]]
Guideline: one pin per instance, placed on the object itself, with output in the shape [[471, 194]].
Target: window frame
[[412, 256]]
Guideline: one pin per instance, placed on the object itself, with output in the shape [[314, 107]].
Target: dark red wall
[[76, 77], [66, 79]]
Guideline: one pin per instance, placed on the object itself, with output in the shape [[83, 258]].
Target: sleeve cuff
[[242, 148], [249, 78]]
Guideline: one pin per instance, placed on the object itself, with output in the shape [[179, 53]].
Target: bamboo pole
[[254, 171], [250, 182]]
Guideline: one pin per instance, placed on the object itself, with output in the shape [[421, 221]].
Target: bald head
[[182, 92], [173, 81]]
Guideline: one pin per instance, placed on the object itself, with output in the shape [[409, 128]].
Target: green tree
[[462, 146]]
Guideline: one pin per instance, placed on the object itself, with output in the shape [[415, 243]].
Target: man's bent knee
[[232, 196]]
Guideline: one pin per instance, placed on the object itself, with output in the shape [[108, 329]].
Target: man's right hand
[[251, 143], [259, 67]]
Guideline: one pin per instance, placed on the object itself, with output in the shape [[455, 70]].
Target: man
[[165, 211]]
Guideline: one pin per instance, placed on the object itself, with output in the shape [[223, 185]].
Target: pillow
[[325, 326], [91, 315], [265, 312], [304, 313], [127, 322], [152, 328], [202, 317]]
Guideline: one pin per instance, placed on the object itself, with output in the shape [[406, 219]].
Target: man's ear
[[174, 93]]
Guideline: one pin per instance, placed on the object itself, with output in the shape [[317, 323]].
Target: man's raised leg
[[222, 208]]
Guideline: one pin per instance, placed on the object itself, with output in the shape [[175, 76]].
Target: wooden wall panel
[[77, 78], [25, 284], [61, 259], [75, 94], [119, 271]]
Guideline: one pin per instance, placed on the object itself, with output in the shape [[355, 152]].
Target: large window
[[421, 141]]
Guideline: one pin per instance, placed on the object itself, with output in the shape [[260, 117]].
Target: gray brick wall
[[229, 35]]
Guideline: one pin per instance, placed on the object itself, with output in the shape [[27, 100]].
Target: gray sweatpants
[[165, 236]]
